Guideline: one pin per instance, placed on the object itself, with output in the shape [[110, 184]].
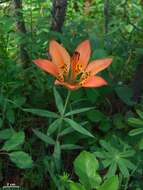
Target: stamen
[[84, 77], [64, 69], [75, 58], [60, 77], [77, 67]]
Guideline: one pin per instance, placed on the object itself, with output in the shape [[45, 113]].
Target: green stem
[[62, 115], [66, 102]]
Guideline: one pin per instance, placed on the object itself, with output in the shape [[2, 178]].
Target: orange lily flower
[[74, 72]]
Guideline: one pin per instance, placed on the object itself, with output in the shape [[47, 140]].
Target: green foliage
[[14, 141], [111, 183], [86, 167], [38, 121], [116, 157], [21, 159]]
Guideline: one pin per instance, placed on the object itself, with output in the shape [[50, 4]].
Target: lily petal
[[60, 56], [80, 58], [67, 85], [98, 65], [93, 81], [47, 66], [84, 51]]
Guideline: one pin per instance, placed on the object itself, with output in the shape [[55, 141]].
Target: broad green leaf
[[42, 113], [125, 94], [43, 137], [16, 139], [95, 116], [135, 122], [86, 166], [136, 132], [78, 111], [110, 184], [70, 147], [58, 100], [54, 126], [78, 127], [21, 159], [140, 113], [6, 134], [10, 115], [76, 186]]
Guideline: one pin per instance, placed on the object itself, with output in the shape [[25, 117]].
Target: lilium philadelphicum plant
[[74, 72]]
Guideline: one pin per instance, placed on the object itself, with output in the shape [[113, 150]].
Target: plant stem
[[66, 102], [62, 115]]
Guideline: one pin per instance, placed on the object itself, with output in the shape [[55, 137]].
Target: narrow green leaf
[[66, 131], [42, 113], [1, 122], [123, 168], [78, 111], [43, 137], [105, 145], [16, 139], [54, 126], [140, 113], [136, 132], [110, 184], [58, 100], [129, 164], [112, 170], [70, 147], [140, 144], [78, 127], [135, 122], [21, 159]]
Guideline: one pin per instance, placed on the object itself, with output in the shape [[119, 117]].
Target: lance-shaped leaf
[[78, 127], [78, 111], [43, 137], [42, 113], [59, 101]]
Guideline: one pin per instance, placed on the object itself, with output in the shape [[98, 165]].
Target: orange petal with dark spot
[[84, 50], [59, 55], [80, 58]]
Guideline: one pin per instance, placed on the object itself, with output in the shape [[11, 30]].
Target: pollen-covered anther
[[64, 69], [82, 83], [78, 68], [60, 77], [85, 75]]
